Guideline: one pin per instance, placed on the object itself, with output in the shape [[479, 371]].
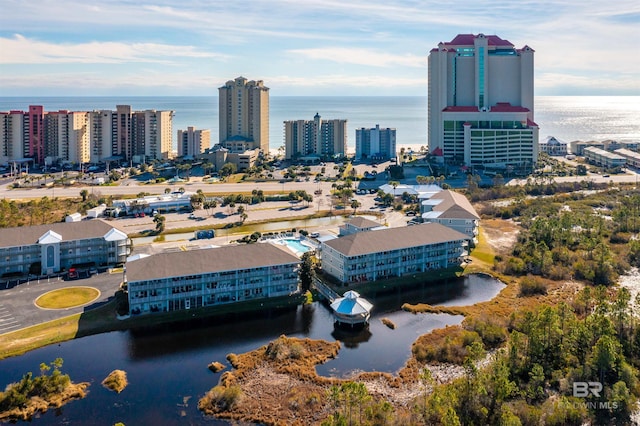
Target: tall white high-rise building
[[156, 140], [244, 115], [101, 135], [376, 143], [12, 129], [317, 137], [81, 136], [481, 103], [66, 135], [192, 142]]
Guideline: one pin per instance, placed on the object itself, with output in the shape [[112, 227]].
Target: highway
[[131, 188]]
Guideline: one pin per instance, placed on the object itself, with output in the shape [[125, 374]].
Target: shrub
[[531, 286], [492, 333], [116, 381], [222, 398]]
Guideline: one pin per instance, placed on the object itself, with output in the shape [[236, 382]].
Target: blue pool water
[[296, 246]]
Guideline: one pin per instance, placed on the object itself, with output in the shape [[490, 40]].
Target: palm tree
[[207, 167], [354, 205], [159, 220], [84, 194]]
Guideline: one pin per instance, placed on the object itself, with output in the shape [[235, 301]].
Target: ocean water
[[565, 117]]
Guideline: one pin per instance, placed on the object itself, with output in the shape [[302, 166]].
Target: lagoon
[[167, 365]]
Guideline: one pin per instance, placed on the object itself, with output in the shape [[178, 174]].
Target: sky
[[302, 47]]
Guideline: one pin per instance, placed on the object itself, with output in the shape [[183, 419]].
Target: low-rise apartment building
[[453, 210], [50, 249], [176, 281], [603, 158], [393, 252]]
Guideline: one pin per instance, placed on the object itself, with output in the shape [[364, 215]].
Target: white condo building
[[481, 103], [376, 143], [12, 128], [315, 138], [193, 142], [67, 136], [49, 249], [392, 252], [167, 282], [82, 137]]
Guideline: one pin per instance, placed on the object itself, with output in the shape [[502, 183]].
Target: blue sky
[[302, 47]]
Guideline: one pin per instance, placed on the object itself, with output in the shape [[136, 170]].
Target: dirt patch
[[500, 234]]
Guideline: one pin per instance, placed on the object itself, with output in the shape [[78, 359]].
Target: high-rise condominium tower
[[481, 103], [317, 137], [192, 142], [376, 143], [244, 115]]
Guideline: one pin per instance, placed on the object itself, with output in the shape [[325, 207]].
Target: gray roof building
[[198, 262], [68, 231], [394, 239], [448, 204]]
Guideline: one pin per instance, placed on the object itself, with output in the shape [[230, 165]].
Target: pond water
[[167, 365]]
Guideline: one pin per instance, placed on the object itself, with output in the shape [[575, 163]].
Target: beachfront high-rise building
[[12, 129], [244, 115], [316, 138], [67, 136], [481, 103], [376, 143], [101, 134], [34, 137], [81, 136], [153, 131], [192, 142]]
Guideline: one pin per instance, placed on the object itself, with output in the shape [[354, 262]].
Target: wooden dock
[[326, 291]]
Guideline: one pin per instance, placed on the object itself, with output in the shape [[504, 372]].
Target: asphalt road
[[17, 304], [132, 189]]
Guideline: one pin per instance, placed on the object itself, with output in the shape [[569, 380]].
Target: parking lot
[[18, 310]]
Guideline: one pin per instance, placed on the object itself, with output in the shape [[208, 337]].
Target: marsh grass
[[116, 381]]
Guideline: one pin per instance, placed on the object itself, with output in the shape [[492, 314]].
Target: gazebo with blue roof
[[351, 309]]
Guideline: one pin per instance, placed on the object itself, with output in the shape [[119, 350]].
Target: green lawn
[[67, 297]]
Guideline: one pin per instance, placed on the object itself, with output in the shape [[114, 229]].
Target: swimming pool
[[296, 246]]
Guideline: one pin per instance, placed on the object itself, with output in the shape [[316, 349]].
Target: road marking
[[6, 329]]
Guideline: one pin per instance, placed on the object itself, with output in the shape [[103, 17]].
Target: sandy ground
[[501, 234]]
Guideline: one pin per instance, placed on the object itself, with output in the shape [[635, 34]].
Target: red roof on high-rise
[[507, 107], [467, 40], [459, 108]]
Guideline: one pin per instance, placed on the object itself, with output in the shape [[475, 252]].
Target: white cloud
[[361, 56], [619, 84], [22, 50]]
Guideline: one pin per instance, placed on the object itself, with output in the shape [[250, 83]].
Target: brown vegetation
[[274, 384], [388, 323], [216, 366], [41, 405], [116, 381]]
